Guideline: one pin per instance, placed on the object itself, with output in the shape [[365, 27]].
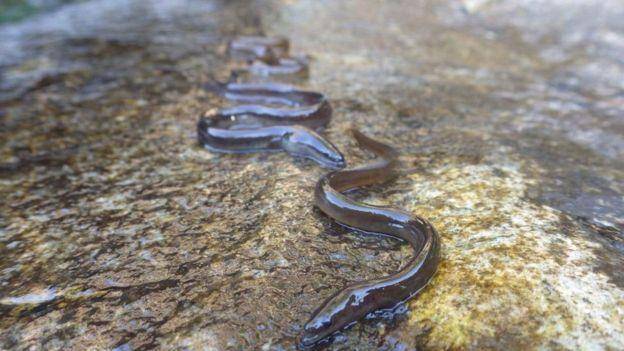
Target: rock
[[117, 231]]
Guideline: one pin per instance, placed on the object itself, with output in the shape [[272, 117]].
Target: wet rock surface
[[118, 231]]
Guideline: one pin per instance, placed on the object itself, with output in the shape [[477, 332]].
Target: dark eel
[[356, 301], [294, 106], [263, 126], [258, 47], [267, 56], [283, 65]]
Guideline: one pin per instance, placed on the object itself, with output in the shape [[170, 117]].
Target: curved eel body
[[282, 66], [263, 126], [257, 47], [280, 103], [356, 301], [268, 56]]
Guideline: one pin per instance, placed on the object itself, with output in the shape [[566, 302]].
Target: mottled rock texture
[[118, 231]]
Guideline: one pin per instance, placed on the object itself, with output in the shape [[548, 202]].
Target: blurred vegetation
[[15, 10]]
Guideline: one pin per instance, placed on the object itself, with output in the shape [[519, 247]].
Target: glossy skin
[[283, 65], [258, 47], [299, 107], [260, 127], [267, 55], [356, 301]]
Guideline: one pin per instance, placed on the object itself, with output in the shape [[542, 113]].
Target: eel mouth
[[310, 339]]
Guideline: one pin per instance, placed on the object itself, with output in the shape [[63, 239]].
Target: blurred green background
[[15, 10]]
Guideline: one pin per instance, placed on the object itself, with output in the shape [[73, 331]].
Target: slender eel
[[267, 56], [281, 66], [258, 47], [356, 301], [280, 103], [279, 117]]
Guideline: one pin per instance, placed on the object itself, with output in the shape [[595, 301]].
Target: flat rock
[[117, 231]]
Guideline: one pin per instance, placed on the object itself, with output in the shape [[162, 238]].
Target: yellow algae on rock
[[499, 282]]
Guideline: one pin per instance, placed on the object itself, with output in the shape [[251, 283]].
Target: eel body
[[250, 47], [354, 302], [268, 56], [273, 117]]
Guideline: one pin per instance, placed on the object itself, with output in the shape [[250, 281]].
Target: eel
[[282, 66], [276, 117], [354, 302], [267, 56], [274, 101], [258, 47]]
